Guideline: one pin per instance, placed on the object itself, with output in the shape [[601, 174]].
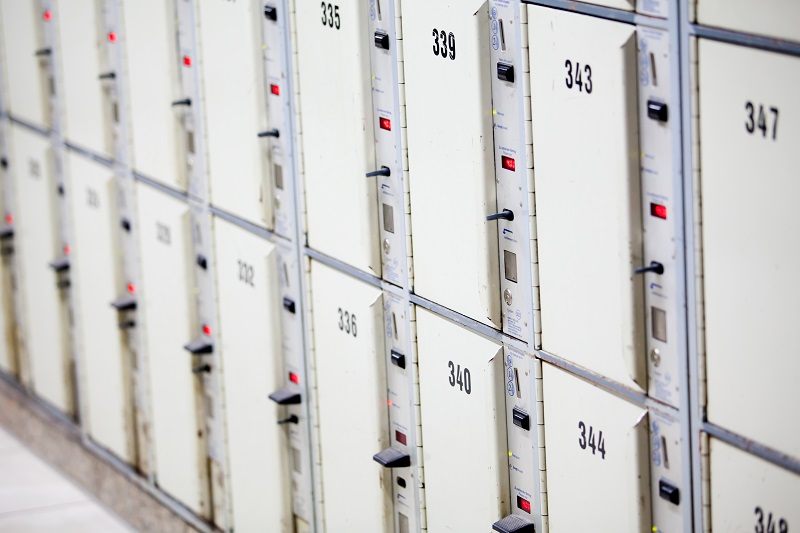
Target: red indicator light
[[187, 61], [389, 403], [9, 218], [400, 437], [659, 211], [386, 124], [206, 330], [66, 249], [524, 504], [131, 288], [509, 164], [112, 37], [294, 378], [47, 15], [275, 89]]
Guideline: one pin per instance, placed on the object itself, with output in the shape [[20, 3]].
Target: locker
[[351, 401], [337, 128], [234, 95], [26, 77], [761, 313], [249, 339], [152, 82], [775, 18], [9, 354], [167, 315], [588, 209], [464, 428], [750, 494], [96, 281], [597, 458], [451, 160], [85, 107], [45, 340]]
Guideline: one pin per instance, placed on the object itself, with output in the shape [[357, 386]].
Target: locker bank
[[383, 266]]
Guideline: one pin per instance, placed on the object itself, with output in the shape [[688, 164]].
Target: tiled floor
[[35, 498]]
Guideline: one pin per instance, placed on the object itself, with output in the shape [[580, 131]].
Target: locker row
[[372, 233]]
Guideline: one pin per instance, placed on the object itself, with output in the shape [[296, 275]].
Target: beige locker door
[[597, 458], [351, 401], [451, 156], [337, 126], [84, 103], [249, 339], [751, 287], [775, 18], [9, 362], [588, 200], [24, 73], [464, 432], [750, 494], [36, 244], [152, 79], [95, 276], [167, 312], [234, 93]]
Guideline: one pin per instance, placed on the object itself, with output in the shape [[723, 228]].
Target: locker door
[[351, 398], [451, 156], [152, 85], [9, 359], [37, 244], [338, 132], [235, 113], [762, 312], [95, 282], [167, 312], [252, 365], [776, 18], [24, 75], [597, 458], [85, 109], [750, 494], [587, 192], [464, 433]]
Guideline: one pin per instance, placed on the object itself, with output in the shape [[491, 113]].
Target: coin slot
[[394, 325], [664, 448], [653, 69], [516, 380], [378, 4], [502, 36]]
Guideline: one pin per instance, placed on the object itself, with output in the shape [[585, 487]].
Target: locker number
[[751, 125], [92, 199], [769, 527], [575, 76], [163, 233], [444, 44], [330, 15], [460, 377], [347, 323], [34, 168], [597, 446], [246, 273]]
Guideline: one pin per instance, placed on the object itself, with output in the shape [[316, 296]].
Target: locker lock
[[127, 324], [271, 12], [43, 52], [514, 524], [107, 76], [382, 40], [669, 492], [505, 72], [383, 171], [657, 111], [270, 133], [392, 458], [655, 267], [506, 214], [185, 101]]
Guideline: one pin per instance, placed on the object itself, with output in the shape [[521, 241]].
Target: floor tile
[[26, 482], [8, 442], [80, 517]]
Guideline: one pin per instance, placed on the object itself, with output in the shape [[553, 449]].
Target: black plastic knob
[[383, 171], [291, 419], [655, 267], [270, 133], [185, 101], [505, 214], [107, 76]]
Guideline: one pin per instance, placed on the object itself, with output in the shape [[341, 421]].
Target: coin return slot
[[115, 112], [659, 317], [400, 437], [403, 523], [277, 171], [190, 142], [510, 264], [388, 218], [296, 462], [209, 406]]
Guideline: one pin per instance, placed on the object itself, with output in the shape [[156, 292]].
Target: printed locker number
[[769, 527], [330, 15], [575, 76], [347, 323], [751, 125], [92, 198], [461, 378], [33, 168], [246, 273], [163, 233], [444, 44], [583, 442]]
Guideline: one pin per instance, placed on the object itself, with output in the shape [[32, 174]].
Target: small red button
[[187, 61], [386, 124]]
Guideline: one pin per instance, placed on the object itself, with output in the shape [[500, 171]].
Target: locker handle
[[107, 76], [128, 324], [6, 232], [126, 303], [286, 396], [199, 347], [61, 264], [392, 458], [43, 52], [506, 214], [514, 524], [185, 101], [202, 368], [291, 419], [126, 224], [269, 133], [654, 267], [63, 284], [383, 171]]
